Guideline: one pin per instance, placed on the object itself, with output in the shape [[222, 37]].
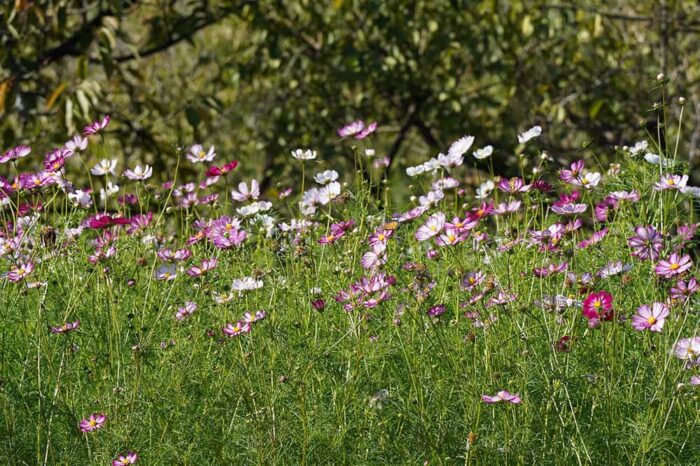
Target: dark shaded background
[[260, 78]]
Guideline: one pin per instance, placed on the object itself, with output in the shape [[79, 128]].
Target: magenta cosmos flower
[[124, 460], [94, 422], [186, 310], [598, 306], [674, 265], [650, 318], [20, 271], [502, 396], [96, 126]]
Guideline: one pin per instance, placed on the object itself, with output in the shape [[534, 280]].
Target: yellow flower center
[[675, 266], [651, 320], [381, 237], [597, 304]]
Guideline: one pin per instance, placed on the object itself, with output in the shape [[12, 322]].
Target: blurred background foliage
[[260, 78]]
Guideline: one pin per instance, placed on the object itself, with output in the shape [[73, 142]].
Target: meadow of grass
[[545, 319]]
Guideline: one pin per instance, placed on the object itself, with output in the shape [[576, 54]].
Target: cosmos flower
[[569, 209], [186, 310], [246, 284], [94, 422], [139, 173], [76, 144], [326, 177], [357, 129], [483, 153], [66, 327], [650, 318], [598, 306], [20, 271], [15, 153], [234, 330], [96, 126], [437, 310], [222, 170], [646, 244], [670, 181], [503, 395], [687, 349], [673, 265], [531, 133], [166, 273], [127, 459], [244, 193], [431, 227], [301, 154], [204, 267], [197, 154], [104, 167], [515, 185]]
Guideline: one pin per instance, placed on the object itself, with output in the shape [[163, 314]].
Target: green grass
[[301, 387]]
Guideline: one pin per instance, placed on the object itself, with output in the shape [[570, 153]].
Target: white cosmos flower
[[329, 192], [460, 147], [326, 176], [531, 133], [244, 193], [639, 147], [104, 167], [483, 153], [77, 144], [80, 198], [657, 159], [246, 284], [485, 189], [301, 154], [198, 154], [254, 208], [450, 160], [139, 173], [110, 190]]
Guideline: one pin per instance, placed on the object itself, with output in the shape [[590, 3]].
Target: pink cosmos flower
[[436, 311], [67, 327], [166, 273], [598, 306], [168, 255], [204, 267], [186, 310], [96, 126], [674, 265], [550, 269], [357, 129], [472, 280], [125, 460], [502, 396], [513, 186], [20, 271], [573, 172], [650, 318], [92, 423], [670, 181], [646, 244], [688, 349], [431, 227], [569, 209], [683, 290], [15, 154], [234, 330], [54, 160]]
